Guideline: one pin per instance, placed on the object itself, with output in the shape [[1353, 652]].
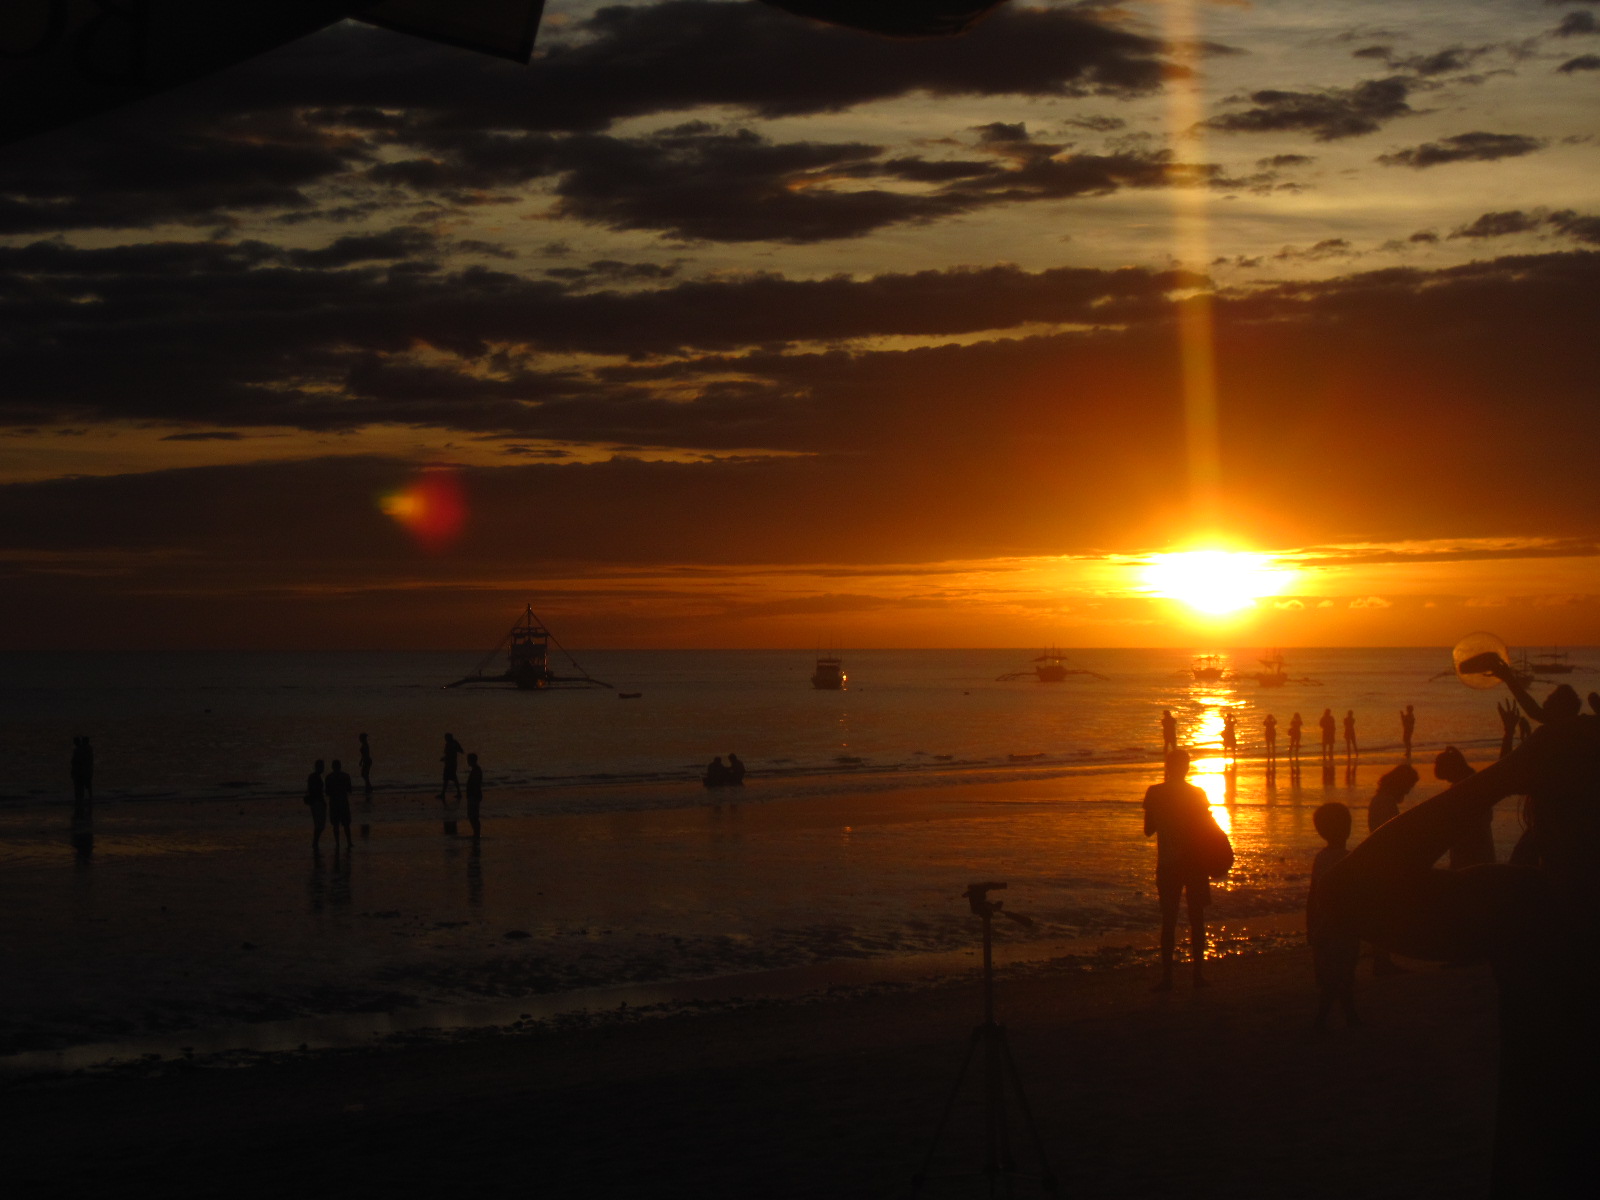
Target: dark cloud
[[1584, 62], [1326, 114], [1577, 24], [1499, 224], [1280, 161], [398, 243], [206, 435], [1424, 236], [1464, 147], [1441, 62], [1581, 228], [1327, 248]]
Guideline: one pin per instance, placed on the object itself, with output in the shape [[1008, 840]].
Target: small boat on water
[[1275, 675], [1207, 668], [527, 662], [829, 675], [1049, 667]]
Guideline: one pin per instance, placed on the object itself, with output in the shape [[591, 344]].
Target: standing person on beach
[[1393, 787], [1327, 724], [1169, 732], [1534, 924], [1176, 814], [1477, 847], [1230, 735], [1408, 726], [452, 752], [316, 798], [1350, 747], [1295, 726], [1270, 725], [82, 778], [474, 795], [338, 787], [365, 765], [1334, 949], [735, 770]]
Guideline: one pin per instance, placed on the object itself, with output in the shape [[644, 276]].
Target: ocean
[[211, 725]]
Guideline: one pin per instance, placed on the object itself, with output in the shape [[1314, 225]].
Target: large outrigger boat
[[1275, 675], [1207, 668], [829, 675], [1049, 667], [1551, 662], [528, 660]]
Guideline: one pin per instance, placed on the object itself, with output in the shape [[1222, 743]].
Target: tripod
[[999, 1074]]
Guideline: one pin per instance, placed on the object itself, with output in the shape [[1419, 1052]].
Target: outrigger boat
[[528, 660], [1206, 668], [1551, 662], [1275, 675], [1051, 667], [829, 675]]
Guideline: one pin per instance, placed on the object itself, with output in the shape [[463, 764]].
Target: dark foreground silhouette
[[1534, 922], [1178, 816]]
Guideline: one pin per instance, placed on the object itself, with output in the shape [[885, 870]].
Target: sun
[[1214, 581]]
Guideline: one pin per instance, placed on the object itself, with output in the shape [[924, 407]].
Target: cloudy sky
[[715, 326]]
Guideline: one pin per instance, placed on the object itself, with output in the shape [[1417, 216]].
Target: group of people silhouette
[[1329, 726], [724, 774], [328, 792]]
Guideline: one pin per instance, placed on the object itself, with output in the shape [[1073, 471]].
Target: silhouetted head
[[317, 767], [361, 737], [1451, 765], [1333, 822], [732, 757], [1563, 807], [1166, 712], [472, 759], [1562, 703], [1397, 781], [1408, 708], [1296, 717], [1177, 766], [1349, 713], [336, 764], [449, 737]]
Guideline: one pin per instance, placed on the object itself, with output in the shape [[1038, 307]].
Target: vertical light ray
[[1191, 248]]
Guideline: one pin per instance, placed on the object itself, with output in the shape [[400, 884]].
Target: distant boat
[[1276, 673], [1206, 668], [1050, 667], [829, 675], [527, 662], [1551, 662]]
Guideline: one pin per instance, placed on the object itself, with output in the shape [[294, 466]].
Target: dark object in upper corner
[[894, 18]]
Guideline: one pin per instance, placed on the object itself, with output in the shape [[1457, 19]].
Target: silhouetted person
[[1535, 924], [716, 773], [338, 786], [452, 751], [365, 765], [1477, 847], [1230, 735], [735, 770], [1176, 814], [82, 779], [1327, 724], [1393, 787], [1509, 715], [1334, 949], [1408, 726], [1295, 726], [1169, 733], [474, 795], [1270, 727], [1350, 748], [316, 798]]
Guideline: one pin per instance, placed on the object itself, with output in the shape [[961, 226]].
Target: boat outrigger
[[1275, 675], [1051, 667], [1551, 662], [528, 660]]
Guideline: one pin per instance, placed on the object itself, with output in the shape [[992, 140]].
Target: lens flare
[[432, 508]]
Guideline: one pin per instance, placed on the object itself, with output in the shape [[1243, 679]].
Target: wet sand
[[1217, 1093]]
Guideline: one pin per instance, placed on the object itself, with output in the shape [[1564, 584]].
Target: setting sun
[[1214, 581]]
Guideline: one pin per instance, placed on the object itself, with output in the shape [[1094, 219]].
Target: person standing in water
[[1295, 726], [1327, 724], [365, 765], [735, 770], [316, 799], [474, 795], [1175, 814], [452, 752], [1169, 732], [338, 787], [1230, 735], [1408, 726], [1270, 725], [82, 778], [1350, 749]]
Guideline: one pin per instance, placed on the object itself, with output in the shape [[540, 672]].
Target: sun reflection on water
[[1208, 768]]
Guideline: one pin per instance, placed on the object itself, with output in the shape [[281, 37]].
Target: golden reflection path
[[1209, 769]]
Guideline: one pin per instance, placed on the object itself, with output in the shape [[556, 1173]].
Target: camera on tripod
[[977, 895]]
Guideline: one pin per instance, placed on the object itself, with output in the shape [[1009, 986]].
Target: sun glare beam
[[1215, 582]]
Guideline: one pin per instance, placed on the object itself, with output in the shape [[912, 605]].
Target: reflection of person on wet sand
[[474, 794], [1534, 924], [365, 765], [1408, 726], [1334, 950], [1169, 732], [316, 798], [1295, 726], [1175, 814], [452, 751], [338, 787], [1328, 725]]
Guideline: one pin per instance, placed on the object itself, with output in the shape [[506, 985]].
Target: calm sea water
[[206, 725]]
